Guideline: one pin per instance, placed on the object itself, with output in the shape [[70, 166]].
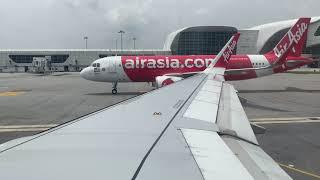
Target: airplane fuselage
[[147, 68]]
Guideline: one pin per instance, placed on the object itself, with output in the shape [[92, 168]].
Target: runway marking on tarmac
[[26, 128], [11, 93], [300, 171], [286, 120]]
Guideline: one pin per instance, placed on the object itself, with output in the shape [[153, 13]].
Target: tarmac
[[287, 105]]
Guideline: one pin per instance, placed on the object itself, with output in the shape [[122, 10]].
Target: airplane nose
[[85, 73]]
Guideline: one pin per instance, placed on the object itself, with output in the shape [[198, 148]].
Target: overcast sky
[[63, 23]]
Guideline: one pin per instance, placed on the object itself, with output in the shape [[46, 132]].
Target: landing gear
[[114, 90]]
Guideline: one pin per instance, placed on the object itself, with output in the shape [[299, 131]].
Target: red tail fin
[[222, 59], [297, 35], [224, 55]]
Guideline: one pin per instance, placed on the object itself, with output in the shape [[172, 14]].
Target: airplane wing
[[193, 129]]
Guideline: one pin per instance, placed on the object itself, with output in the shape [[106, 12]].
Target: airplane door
[[112, 70], [112, 66]]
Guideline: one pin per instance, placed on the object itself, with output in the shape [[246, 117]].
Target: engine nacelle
[[166, 80]]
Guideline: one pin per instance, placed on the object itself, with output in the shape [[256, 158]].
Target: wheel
[[114, 91]]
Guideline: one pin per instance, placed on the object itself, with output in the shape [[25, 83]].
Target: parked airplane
[[164, 70], [197, 130]]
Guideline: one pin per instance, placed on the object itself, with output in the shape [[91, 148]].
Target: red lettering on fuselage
[[147, 68]]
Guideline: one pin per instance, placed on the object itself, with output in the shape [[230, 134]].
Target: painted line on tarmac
[[11, 93], [286, 120], [300, 171], [26, 128]]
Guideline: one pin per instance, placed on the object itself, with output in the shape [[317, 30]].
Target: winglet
[[224, 55], [293, 42]]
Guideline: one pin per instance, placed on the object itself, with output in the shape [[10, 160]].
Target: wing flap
[[204, 111], [260, 165], [213, 156], [205, 104], [231, 116]]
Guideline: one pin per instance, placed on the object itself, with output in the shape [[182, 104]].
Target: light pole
[[116, 44], [121, 33], [134, 42], [86, 39]]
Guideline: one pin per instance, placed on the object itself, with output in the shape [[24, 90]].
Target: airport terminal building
[[187, 41], [61, 59], [256, 40]]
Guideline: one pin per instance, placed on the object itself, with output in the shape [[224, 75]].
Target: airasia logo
[[293, 37], [226, 55], [166, 62]]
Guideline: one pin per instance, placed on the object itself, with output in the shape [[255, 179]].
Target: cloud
[[202, 11], [64, 23]]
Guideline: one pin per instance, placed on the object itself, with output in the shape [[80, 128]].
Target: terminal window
[[29, 58], [193, 43]]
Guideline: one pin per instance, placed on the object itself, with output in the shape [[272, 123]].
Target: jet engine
[[166, 80]]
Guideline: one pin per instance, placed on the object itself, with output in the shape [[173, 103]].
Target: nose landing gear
[[114, 90]]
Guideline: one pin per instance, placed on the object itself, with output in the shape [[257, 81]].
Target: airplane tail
[[222, 59], [292, 42], [224, 55]]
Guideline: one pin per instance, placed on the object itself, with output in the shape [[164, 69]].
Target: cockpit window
[[98, 64], [94, 65]]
